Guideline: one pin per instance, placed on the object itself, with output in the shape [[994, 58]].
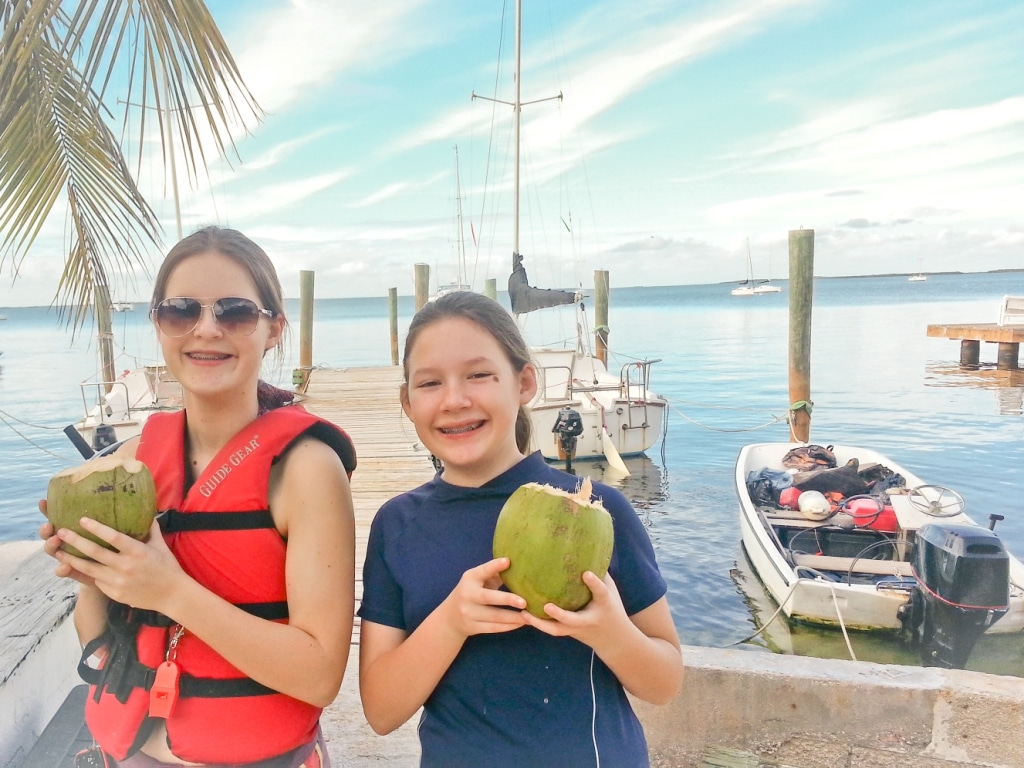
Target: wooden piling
[[422, 285], [801, 291], [393, 317], [601, 291], [970, 352], [105, 332], [300, 376]]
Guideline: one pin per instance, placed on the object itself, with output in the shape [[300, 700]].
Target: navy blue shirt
[[519, 698]]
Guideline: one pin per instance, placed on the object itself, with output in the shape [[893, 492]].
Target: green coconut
[[115, 490], [551, 537]]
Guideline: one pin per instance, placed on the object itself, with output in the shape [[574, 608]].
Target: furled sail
[[525, 298]]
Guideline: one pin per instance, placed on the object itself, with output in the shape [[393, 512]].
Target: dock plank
[[390, 458], [991, 332]]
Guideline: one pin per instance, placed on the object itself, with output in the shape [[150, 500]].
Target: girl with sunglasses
[[219, 639], [499, 687]]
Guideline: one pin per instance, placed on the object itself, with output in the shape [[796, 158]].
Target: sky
[[687, 133]]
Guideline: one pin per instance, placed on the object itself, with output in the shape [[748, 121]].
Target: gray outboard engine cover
[[963, 575]]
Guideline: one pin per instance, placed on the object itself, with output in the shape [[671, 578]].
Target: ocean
[[877, 381]]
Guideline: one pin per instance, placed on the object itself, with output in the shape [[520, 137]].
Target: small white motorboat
[[886, 551]]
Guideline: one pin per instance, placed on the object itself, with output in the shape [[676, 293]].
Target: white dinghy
[[905, 559]]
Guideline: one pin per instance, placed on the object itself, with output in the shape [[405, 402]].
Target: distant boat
[[3, 317], [122, 306], [752, 287], [917, 278], [459, 284]]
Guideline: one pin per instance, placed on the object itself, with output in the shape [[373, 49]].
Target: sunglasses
[[179, 316]]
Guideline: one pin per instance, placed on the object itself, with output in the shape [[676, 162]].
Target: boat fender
[[814, 506]]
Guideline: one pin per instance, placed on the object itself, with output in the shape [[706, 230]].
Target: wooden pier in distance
[[1008, 337], [390, 458]]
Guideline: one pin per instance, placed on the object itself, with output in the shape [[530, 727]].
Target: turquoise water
[[877, 380]]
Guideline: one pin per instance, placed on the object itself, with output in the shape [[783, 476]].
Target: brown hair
[[491, 317], [238, 248]]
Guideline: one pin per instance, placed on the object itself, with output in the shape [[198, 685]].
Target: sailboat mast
[[517, 107], [458, 216]]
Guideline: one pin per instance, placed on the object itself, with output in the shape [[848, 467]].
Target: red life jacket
[[224, 537]]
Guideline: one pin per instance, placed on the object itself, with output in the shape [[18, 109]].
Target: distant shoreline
[[145, 302], [885, 274]]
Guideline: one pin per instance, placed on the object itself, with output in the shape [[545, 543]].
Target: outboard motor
[[568, 426], [963, 588], [103, 436]]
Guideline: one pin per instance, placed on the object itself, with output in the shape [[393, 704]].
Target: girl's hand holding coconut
[[140, 574], [596, 622], [478, 605]]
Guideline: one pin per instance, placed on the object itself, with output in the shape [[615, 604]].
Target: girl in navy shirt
[[499, 686]]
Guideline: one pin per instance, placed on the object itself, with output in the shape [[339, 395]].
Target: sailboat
[[751, 287], [461, 282], [116, 406], [613, 415]]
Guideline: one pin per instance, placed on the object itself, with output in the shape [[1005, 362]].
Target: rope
[[7, 415], [835, 601], [775, 420], [842, 624], [770, 618], [28, 440]]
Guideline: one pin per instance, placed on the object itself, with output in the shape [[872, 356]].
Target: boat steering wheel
[[936, 500]]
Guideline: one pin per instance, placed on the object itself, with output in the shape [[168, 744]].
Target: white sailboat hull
[[633, 416], [131, 398]]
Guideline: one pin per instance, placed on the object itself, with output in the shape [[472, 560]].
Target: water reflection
[[644, 487], [995, 654], [1007, 385]]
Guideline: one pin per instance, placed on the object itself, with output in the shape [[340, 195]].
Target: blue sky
[[895, 130]]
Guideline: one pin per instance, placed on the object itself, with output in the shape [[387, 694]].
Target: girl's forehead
[[212, 272], [457, 326], [455, 336]]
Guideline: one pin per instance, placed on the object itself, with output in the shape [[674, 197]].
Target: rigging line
[[30, 441], [714, 407], [776, 420], [12, 417], [490, 146]]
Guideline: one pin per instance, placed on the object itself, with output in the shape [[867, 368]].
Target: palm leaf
[[57, 146]]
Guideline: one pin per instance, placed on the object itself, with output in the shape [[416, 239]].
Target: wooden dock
[[391, 460], [1008, 337]]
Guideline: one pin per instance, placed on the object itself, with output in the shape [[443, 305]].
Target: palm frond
[[57, 143]]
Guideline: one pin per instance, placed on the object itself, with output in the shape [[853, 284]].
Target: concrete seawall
[[752, 709], [760, 709]]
